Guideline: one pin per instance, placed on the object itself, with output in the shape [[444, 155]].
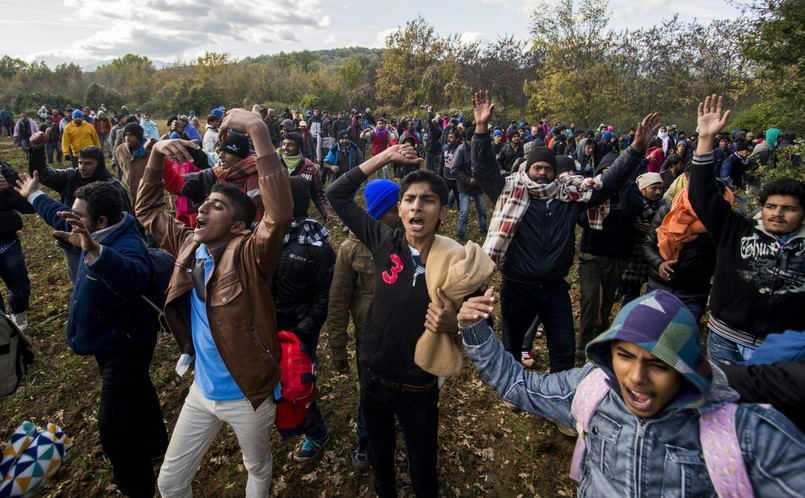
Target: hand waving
[[711, 120], [645, 130], [27, 185], [482, 108]]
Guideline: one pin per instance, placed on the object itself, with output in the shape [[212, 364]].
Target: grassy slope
[[485, 449]]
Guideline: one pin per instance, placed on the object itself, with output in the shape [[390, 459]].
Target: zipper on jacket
[[263, 344], [641, 431]]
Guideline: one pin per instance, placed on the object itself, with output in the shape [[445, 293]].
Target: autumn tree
[[778, 49], [411, 53], [132, 76], [575, 78]]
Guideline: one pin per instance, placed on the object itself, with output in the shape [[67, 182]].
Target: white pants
[[199, 422]]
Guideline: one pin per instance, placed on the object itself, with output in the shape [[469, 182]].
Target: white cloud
[[380, 41]]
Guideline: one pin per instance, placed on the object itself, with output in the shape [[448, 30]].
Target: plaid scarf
[[513, 202], [244, 175], [306, 231], [580, 189]]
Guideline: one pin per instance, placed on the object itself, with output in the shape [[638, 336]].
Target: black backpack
[[15, 355]]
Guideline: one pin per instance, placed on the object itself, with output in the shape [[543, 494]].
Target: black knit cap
[[542, 154], [606, 162], [237, 144], [135, 130], [564, 163]]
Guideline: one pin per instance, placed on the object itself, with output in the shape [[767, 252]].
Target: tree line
[[572, 68]]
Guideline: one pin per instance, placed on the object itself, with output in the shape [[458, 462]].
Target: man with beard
[[131, 157], [510, 153], [342, 156], [91, 163], [110, 320], [532, 234]]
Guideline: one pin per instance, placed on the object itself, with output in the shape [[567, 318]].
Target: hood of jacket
[[661, 324]]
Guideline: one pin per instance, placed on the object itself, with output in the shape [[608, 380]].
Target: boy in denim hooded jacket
[[643, 437]]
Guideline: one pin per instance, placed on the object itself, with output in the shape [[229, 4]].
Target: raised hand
[[711, 120], [482, 108], [27, 185], [175, 150], [645, 130], [402, 153], [79, 236], [39, 138]]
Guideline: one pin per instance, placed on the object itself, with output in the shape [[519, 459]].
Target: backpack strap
[[722, 452], [590, 392]]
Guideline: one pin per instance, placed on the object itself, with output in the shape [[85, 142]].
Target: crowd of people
[[664, 229]]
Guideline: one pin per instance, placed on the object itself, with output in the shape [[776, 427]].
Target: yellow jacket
[[76, 138]]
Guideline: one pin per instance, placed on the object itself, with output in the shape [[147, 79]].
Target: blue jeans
[[723, 351], [51, 148], [15, 275], [464, 212], [418, 414], [695, 304], [521, 303]]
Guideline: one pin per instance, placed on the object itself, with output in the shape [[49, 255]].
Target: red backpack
[[298, 384]]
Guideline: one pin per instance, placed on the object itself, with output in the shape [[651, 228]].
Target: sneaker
[[360, 454], [21, 319], [310, 448], [527, 359]]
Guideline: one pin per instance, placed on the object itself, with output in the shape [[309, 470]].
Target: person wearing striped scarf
[[532, 235]]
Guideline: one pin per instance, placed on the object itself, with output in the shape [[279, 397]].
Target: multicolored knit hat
[[662, 325]]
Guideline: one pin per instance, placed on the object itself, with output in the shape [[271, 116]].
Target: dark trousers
[[132, 432], [521, 303], [314, 427], [432, 162], [598, 281], [418, 414], [15, 275], [54, 147], [362, 433]]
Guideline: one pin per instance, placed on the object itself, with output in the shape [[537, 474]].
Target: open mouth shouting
[[416, 223]]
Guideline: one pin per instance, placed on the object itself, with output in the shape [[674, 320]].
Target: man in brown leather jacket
[[219, 307]]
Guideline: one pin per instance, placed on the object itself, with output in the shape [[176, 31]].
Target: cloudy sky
[[89, 31]]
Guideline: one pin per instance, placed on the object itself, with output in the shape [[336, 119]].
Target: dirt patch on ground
[[484, 447]]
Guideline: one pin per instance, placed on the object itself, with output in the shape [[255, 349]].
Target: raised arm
[[545, 395], [705, 198], [275, 188], [627, 162], [485, 168]]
